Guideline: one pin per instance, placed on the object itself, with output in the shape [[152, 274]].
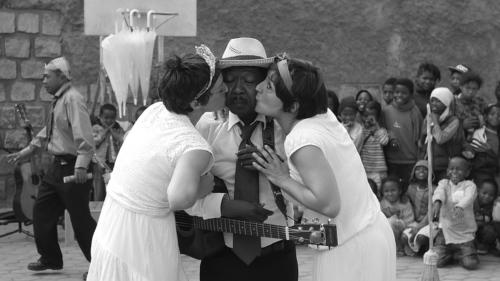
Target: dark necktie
[[50, 123], [246, 187]]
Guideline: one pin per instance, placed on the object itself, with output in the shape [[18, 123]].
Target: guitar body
[[26, 191]]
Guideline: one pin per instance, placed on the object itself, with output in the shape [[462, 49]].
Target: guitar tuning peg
[[329, 221]]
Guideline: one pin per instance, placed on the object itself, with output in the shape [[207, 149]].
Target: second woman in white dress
[[325, 175]]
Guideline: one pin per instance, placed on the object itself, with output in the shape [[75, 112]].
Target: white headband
[[204, 52]]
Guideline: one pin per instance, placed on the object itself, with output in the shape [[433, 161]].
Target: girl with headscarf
[[447, 138]]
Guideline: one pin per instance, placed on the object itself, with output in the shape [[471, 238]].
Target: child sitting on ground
[[348, 110], [453, 203], [487, 229], [399, 213], [418, 194], [374, 138]]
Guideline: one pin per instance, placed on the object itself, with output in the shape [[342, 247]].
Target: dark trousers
[[465, 253], [53, 197], [279, 265], [487, 234]]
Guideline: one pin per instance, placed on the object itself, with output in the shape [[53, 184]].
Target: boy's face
[[387, 93], [108, 117], [458, 170], [426, 81], [369, 117], [362, 100], [493, 119], [469, 89], [437, 106], [455, 80], [401, 95], [391, 191], [421, 173], [348, 115], [486, 194]]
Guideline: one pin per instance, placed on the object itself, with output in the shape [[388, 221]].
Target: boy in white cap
[[250, 197], [456, 73], [68, 138]]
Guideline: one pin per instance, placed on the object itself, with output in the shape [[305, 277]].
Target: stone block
[[7, 117], [7, 22], [44, 96], [17, 47], [7, 69], [22, 91], [36, 115], [15, 139], [32, 69], [51, 23], [47, 47], [5, 167], [27, 22], [2, 93]]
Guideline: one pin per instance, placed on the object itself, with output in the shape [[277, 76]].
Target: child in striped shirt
[[373, 138]]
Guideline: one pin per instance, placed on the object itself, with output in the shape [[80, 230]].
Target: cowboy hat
[[245, 51]]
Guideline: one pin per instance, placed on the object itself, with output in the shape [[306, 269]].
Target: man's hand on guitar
[[13, 158], [244, 210]]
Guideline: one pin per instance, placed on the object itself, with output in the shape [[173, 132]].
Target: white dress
[[367, 249], [135, 238]]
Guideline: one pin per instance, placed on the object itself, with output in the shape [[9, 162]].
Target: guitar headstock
[[21, 110], [315, 234]]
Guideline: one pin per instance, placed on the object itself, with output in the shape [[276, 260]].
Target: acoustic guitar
[[26, 176], [324, 236]]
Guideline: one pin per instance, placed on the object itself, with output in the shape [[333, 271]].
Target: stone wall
[[358, 43]]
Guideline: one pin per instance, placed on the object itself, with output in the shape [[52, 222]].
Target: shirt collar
[[233, 119], [62, 90]]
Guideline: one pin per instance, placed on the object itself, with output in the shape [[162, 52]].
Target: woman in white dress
[[158, 171], [325, 175]]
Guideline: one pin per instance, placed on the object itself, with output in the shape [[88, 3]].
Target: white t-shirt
[[359, 206]]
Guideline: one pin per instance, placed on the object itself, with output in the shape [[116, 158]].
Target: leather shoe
[[39, 266]]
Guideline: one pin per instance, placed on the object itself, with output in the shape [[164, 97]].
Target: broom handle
[[429, 175]]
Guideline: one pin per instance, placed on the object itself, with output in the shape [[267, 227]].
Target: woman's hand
[[479, 146], [271, 165]]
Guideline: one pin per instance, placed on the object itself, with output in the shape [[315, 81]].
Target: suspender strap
[[268, 139]]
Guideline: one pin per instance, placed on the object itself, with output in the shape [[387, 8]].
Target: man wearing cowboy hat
[[68, 138], [250, 197]]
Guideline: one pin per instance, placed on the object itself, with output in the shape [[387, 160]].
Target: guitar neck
[[242, 227]]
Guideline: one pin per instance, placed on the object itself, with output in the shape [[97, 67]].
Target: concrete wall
[[358, 43]]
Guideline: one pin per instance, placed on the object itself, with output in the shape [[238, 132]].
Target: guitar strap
[[268, 139]]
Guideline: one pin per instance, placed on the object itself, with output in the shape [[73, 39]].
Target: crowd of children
[[391, 138]]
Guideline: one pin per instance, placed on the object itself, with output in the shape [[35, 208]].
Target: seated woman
[[326, 175], [156, 172]]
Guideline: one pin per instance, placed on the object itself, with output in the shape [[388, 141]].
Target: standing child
[[399, 213], [446, 138], [416, 236], [483, 150], [374, 138], [348, 110], [470, 106], [388, 91], [456, 73], [428, 75], [403, 122], [107, 143], [488, 231], [453, 202]]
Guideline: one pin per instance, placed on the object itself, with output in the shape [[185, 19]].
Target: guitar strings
[[190, 222]]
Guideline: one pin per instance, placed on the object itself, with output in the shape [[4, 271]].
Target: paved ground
[[17, 250]]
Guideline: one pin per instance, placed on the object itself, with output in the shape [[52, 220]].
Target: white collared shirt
[[224, 137]]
